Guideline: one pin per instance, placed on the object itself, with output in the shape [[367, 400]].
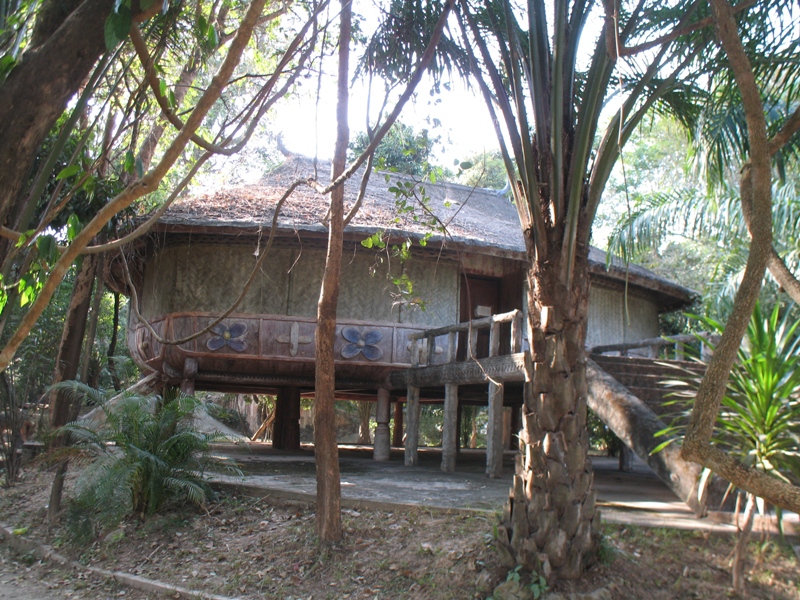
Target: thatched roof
[[477, 219]]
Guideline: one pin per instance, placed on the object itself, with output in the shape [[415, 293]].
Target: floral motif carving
[[228, 336], [362, 343]]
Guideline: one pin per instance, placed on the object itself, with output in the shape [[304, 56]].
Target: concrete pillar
[[450, 428], [397, 434], [412, 426], [381, 449], [494, 432]]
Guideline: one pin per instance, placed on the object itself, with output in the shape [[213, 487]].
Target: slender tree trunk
[[364, 413], [67, 364], [91, 330], [740, 551], [112, 346], [550, 524], [326, 451]]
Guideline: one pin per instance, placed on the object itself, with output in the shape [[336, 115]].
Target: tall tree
[[114, 53], [546, 102]]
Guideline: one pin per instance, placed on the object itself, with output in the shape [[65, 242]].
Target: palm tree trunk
[[550, 524]]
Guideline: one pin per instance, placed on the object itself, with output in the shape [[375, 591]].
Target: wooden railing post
[[516, 333]]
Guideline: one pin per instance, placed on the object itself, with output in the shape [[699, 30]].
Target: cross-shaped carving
[[294, 339]]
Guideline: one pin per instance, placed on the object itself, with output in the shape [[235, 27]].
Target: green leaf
[[73, 227], [7, 63], [68, 171], [118, 25], [211, 37], [162, 87], [139, 167], [465, 165], [129, 162], [173, 103], [47, 247], [367, 243]]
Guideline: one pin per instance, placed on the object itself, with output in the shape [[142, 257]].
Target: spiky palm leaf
[[759, 420], [147, 453]]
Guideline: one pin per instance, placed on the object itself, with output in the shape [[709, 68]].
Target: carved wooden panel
[[293, 338]]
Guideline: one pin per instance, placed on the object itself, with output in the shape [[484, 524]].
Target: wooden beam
[[498, 368]]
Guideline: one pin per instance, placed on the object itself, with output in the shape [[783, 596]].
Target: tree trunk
[[37, 90], [112, 346], [326, 451], [740, 551], [67, 364], [91, 330], [550, 524], [364, 413], [636, 426]]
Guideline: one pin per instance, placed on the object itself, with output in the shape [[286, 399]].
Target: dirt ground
[[258, 547]]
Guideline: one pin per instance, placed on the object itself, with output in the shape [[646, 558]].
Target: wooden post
[[625, 459], [397, 434], [451, 422], [412, 413], [291, 427], [189, 374], [494, 432], [412, 426], [381, 449], [516, 425], [450, 428], [459, 417], [516, 333], [507, 428], [280, 418]]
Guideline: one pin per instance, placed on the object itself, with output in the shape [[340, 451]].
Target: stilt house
[[397, 334]]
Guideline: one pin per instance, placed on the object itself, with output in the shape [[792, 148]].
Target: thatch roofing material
[[482, 220]]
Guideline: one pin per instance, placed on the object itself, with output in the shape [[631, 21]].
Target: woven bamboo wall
[[207, 277], [607, 320]]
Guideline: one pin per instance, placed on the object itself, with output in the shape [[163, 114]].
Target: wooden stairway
[[627, 394], [645, 377]]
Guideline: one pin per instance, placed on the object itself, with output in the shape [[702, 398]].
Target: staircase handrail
[[654, 344]]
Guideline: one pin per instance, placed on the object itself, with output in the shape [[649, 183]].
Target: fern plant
[[144, 455]]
